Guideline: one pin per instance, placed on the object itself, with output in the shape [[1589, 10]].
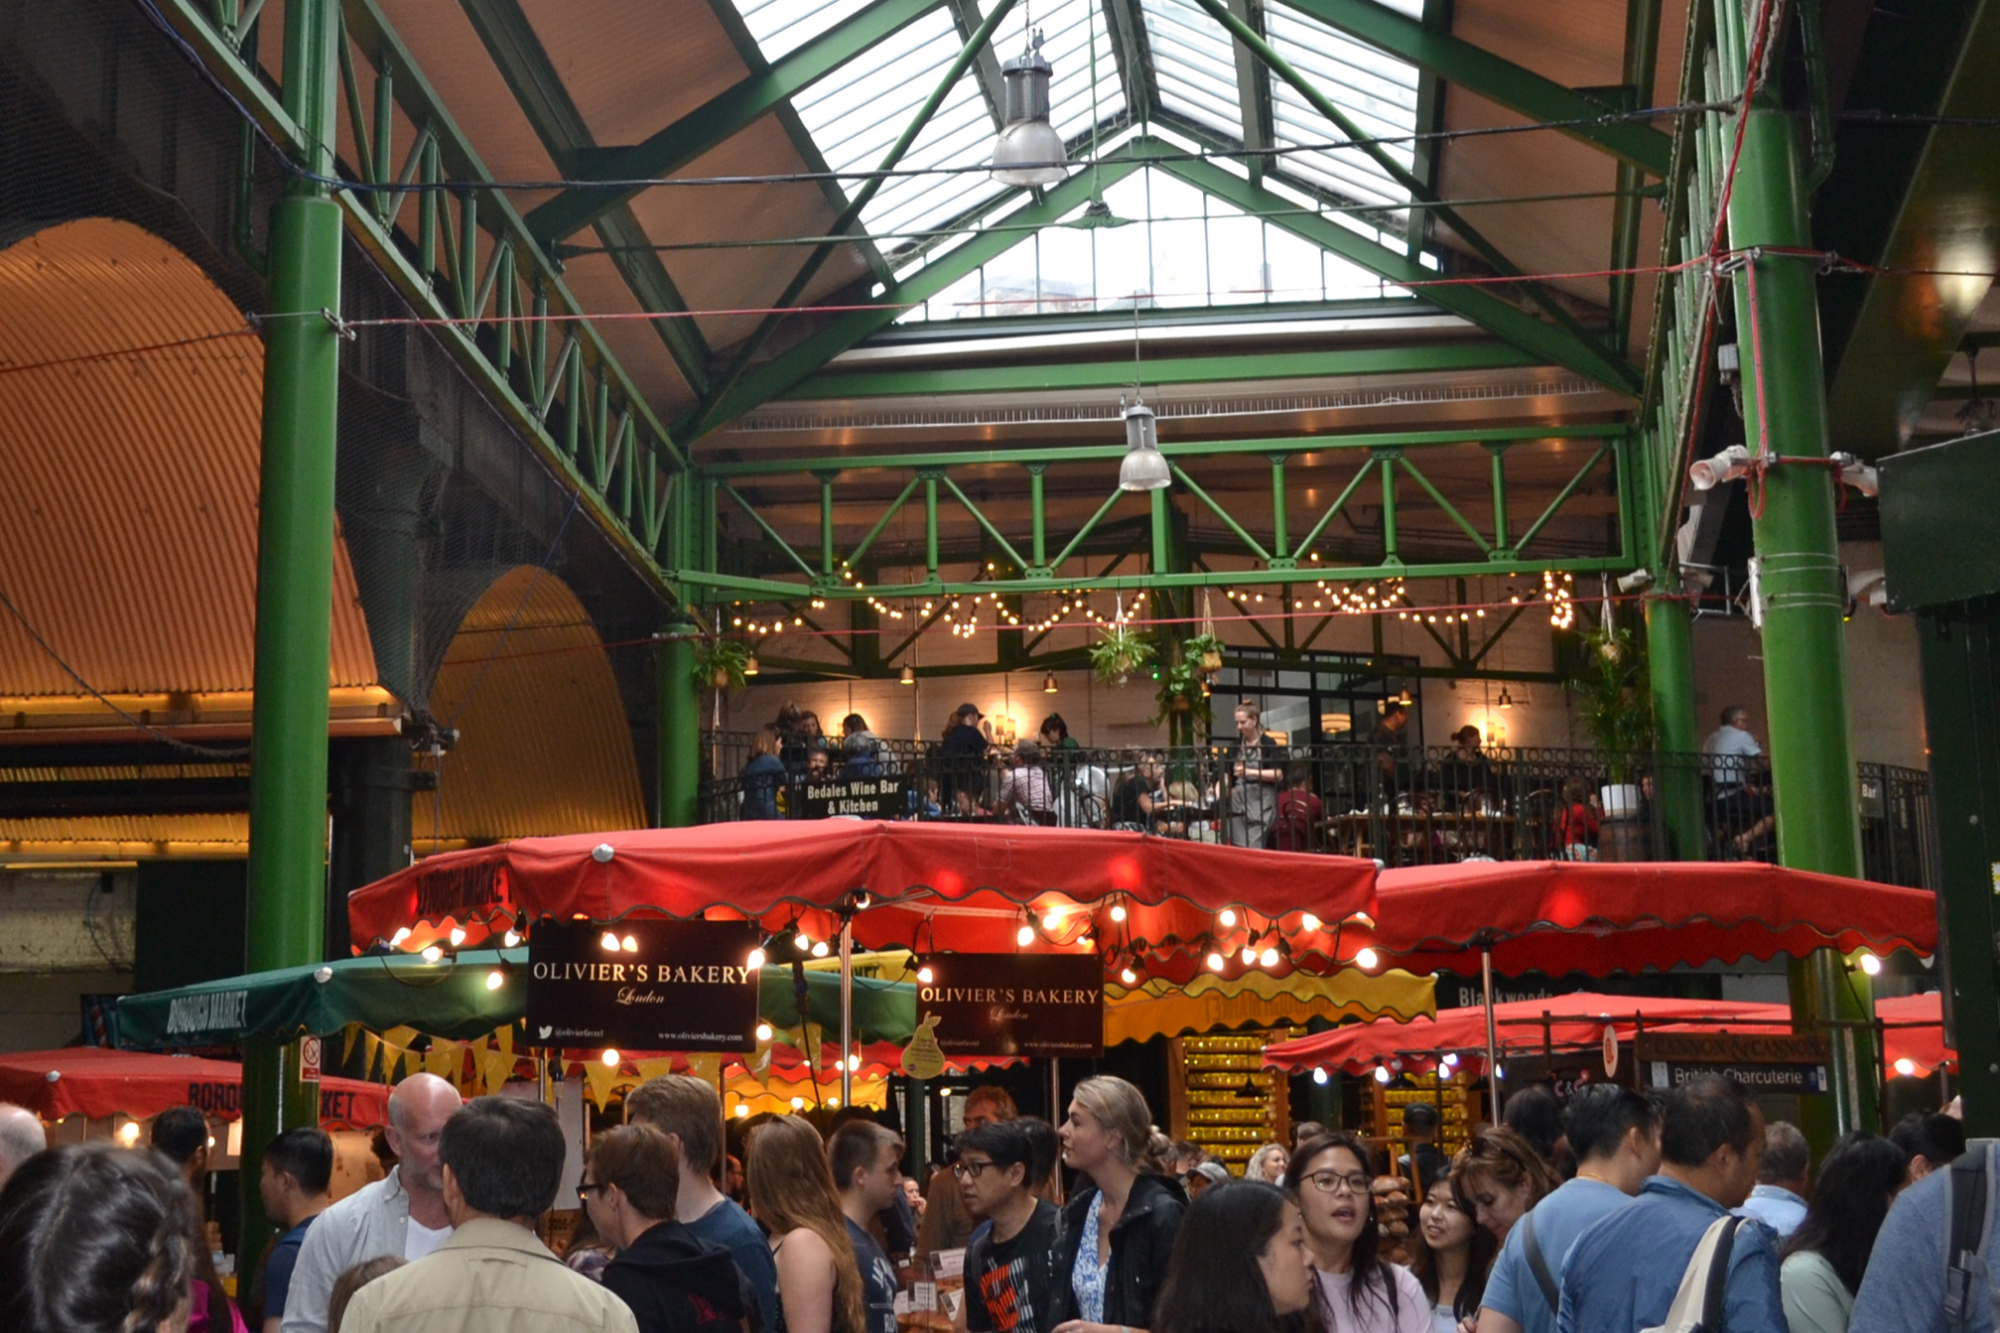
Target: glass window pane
[[1295, 266], [1237, 272], [782, 26], [1068, 283]]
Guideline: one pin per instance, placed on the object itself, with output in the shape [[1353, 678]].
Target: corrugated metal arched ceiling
[[129, 421], [543, 746]]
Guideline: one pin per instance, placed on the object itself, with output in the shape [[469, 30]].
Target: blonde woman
[[792, 1194], [1268, 1164], [1118, 1231]]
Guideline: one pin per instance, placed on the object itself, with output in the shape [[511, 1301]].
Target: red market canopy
[[1578, 1021], [1602, 918], [99, 1081], [930, 887]]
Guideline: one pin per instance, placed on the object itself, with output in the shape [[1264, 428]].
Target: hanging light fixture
[[1029, 151], [1049, 683], [1506, 699], [750, 667], [909, 676], [1144, 467]]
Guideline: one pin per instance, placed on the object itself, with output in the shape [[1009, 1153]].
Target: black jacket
[[1141, 1244], [676, 1282]]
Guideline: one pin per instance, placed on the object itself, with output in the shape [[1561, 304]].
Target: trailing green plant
[[721, 664], [1614, 695], [1119, 651], [1205, 652], [1183, 694]]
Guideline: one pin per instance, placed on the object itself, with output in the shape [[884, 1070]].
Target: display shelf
[[1224, 1101]]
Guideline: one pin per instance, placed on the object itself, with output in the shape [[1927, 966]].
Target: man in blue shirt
[[867, 1165], [689, 1111], [1904, 1290], [298, 1168], [1621, 1274], [1779, 1200], [1615, 1134]]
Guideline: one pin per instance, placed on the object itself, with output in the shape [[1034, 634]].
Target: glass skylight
[[782, 26], [1377, 92]]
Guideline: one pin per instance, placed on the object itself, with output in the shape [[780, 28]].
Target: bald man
[[21, 1137], [403, 1215]]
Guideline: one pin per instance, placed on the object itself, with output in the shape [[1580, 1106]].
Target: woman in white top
[[1268, 1164], [1358, 1290], [1826, 1256]]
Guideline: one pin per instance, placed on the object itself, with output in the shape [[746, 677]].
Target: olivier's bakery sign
[[643, 985], [1016, 1004]]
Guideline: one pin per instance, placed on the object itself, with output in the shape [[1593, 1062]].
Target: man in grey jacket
[[1906, 1285], [403, 1215]]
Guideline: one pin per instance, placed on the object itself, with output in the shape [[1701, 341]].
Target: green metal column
[[1670, 666], [287, 868], [679, 739], [1803, 594]]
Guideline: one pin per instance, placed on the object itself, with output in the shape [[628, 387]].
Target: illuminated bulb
[[1382, 1074], [432, 953], [1249, 955], [128, 1132], [798, 1103], [1215, 962], [763, 1032], [511, 939], [853, 1062], [742, 1110], [755, 960], [1052, 921], [1365, 958], [1319, 1077], [803, 940], [1307, 921], [399, 937], [457, 936], [1227, 918], [610, 941], [610, 1057], [495, 979], [1906, 1066], [926, 975], [630, 945], [1269, 958], [1870, 964], [833, 1102], [1128, 976], [1025, 935], [1118, 911], [821, 949], [1450, 1060]]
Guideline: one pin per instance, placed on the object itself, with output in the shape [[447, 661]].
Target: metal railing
[[1410, 806]]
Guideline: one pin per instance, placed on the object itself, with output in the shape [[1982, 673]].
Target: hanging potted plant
[[721, 664], [1205, 652], [1183, 695], [1119, 651]]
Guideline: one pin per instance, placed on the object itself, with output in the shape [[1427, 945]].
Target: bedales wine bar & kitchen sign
[[643, 985]]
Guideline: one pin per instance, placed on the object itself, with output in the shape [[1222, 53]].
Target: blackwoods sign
[[643, 985], [1016, 1004]]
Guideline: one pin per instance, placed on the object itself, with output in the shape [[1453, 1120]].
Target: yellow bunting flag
[[654, 1068], [445, 1059], [495, 1068], [505, 1037], [602, 1078], [707, 1068]]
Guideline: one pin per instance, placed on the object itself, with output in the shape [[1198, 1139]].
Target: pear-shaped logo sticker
[[922, 1058]]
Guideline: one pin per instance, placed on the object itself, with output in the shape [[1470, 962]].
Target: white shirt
[[420, 1240], [1736, 748], [373, 1220]]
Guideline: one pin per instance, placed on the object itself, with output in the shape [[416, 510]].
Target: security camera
[[1867, 585], [1637, 581], [1728, 465], [1855, 473]]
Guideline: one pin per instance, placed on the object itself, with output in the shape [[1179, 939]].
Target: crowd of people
[[1619, 1213]]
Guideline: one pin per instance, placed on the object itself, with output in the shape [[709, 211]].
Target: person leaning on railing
[[763, 776]]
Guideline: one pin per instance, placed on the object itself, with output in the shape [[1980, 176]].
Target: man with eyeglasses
[[1010, 1263], [947, 1224]]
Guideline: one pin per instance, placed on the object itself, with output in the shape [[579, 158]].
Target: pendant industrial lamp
[[1029, 151], [1145, 467]]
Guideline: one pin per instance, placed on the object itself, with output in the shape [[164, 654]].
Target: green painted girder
[[1497, 316], [717, 119], [1478, 70], [1163, 370], [1908, 327], [538, 89], [1048, 455], [736, 587]]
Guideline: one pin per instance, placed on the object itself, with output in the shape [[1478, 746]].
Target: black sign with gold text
[[643, 985], [1012, 1004], [1769, 1062]]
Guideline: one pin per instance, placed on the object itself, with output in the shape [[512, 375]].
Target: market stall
[[101, 1083]]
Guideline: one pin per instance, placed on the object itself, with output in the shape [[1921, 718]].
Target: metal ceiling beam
[[1478, 70], [1128, 44], [717, 119], [1430, 115], [538, 89], [1253, 90], [965, 14], [1642, 57], [1162, 370], [1497, 316]]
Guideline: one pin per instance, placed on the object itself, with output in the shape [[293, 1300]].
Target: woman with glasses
[[1359, 1291], [792, 1196], [1500, 1177], [1118, 1230]]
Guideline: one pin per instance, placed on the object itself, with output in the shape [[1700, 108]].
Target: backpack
[[1698, 1304], [1968, 1205]]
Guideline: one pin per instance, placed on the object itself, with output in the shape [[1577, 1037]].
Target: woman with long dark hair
[[1240, 1264], [1826, 1256], [1358, 1291], [1500, 1177], [96, 1239], [1450, 1254], [1117, 1230], [792, 1196]]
